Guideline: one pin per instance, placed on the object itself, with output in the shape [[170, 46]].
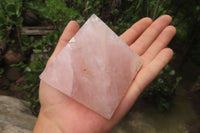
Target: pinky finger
[[148, 73], [143, 78]]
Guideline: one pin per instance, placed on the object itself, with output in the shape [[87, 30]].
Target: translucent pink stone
[[95, 68]]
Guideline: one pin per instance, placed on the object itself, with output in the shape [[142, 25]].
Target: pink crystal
[[95, 68]]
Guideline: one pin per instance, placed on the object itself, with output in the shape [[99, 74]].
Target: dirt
[[10, 81], [12, 57], [13, 74], [4, 83], [194, 125], [183, 116]]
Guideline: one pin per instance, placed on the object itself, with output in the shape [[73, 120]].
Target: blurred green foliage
[[10, 17], [119, 15], [162, 89], [54, 10]]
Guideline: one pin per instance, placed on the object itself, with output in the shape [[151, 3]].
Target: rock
[[13, 74], [96, 68], [30, 18], [15, 116], [12, 57]]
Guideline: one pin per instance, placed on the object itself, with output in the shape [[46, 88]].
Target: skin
[[61, 114]]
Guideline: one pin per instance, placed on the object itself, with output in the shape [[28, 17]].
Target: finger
[[148, 73], [135, 30], [161, 42], [69, 31], [146, 39], [144, 77]]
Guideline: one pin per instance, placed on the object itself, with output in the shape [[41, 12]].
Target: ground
[[183, 116]]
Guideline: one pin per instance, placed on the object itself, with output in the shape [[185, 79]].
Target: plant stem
[[156, 10], [19, 37]]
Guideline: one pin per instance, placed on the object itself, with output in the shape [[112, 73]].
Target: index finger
[[130, 35], [69, 31]]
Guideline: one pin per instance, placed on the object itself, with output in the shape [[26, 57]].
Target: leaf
[[139, 3], [11, 9], [37, 51], [30, 78]]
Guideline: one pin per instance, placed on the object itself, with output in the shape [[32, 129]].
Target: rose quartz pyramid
[[95, 68]]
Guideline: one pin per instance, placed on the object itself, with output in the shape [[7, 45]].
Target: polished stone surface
[[95, 68]]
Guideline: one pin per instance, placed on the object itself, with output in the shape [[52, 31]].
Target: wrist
[[45, 125]]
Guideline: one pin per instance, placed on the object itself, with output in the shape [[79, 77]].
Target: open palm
[[59, 113]]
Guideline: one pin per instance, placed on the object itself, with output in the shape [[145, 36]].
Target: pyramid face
[[95, 68]]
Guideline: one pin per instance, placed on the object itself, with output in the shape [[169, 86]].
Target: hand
[[61, 114]]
